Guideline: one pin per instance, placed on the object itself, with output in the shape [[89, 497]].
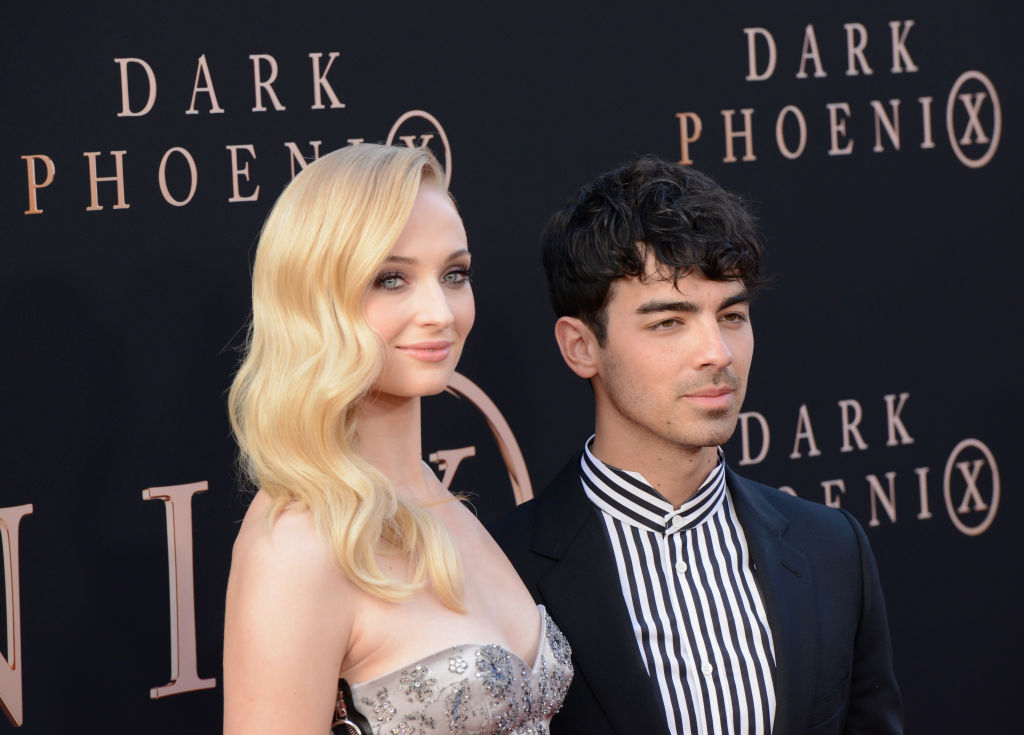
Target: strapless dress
[[471, 689]]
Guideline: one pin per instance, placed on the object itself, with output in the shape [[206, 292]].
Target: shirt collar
[[628, 497]]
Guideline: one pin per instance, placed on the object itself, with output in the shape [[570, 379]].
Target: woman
[[352, 560]]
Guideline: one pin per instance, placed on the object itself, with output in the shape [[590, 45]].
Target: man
[[695, 601]]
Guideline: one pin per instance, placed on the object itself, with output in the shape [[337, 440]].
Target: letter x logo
[[415, 118], [974, 118], [965, 489]]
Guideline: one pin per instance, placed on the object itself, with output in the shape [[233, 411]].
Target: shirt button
[[706, 669], [677, 522], [681, 567]]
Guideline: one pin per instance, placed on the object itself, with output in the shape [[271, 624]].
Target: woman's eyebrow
[[411, 261]]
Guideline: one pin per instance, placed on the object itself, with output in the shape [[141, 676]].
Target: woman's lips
[[428, 351]]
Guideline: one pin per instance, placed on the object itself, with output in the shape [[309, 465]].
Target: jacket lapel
[[784, 579], [583, 594]]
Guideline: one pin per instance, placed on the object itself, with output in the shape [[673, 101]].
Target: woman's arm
[[287, 624]]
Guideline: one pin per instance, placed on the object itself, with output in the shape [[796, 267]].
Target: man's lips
[[710, 392], [714, 397], [428, 351]]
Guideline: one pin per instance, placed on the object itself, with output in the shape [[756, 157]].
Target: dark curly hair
[[678, 215]]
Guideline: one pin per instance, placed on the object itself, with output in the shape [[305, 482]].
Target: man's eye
[[735, 316], [666, 324]]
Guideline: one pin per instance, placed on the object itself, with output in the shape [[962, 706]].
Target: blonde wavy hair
[[311, 357]]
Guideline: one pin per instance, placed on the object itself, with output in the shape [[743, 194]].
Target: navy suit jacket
[[817, 578]]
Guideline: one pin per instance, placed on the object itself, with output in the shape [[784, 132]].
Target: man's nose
[[713, 350]]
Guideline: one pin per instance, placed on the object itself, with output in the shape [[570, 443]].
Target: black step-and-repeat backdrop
[[143, 146]]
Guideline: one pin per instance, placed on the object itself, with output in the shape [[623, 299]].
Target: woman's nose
[[432, 305]]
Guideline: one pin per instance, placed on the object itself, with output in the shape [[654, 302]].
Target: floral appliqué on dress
[[472, 690]]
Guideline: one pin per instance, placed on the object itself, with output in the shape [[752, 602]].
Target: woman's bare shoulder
[[288, 620], [286, 563], [291, 538]]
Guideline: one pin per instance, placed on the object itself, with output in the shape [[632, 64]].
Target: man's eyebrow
[[656, 306], [411, 261], [743, 297], [688, 307]]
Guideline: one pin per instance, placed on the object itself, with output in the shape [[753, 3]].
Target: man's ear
[[578, 346]]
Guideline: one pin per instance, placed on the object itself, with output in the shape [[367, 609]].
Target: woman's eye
[[456, 276], [389, 281]]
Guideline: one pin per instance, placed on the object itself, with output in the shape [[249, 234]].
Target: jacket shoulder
[[516, 524], [801, 518]]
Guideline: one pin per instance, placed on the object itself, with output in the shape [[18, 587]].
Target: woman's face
[[421, 302]]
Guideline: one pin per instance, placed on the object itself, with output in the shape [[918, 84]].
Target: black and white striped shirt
[[698, 617]]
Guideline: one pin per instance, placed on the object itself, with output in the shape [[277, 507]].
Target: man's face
[[673, 369]]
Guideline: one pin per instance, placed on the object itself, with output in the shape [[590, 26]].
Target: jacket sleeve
[[875, 704]]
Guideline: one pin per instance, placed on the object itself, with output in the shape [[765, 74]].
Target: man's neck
[[675, 472]]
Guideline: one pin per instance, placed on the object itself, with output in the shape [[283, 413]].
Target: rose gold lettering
[[440, 132], [810, 52], [237, 172], [972, 104], [448, 461], [746, 133], [900, 55], [922, 491], [320, 82], [894, 422], [856, 42], [33, 185], [178, 508], [686, 136], [10, 671], [260, 84], [780, 133], [970, 471], [974, 132], [410, 140], [851, 424], [745, 437], [926, 122], [203, 70], [126, 109], [297, 156], [878, 493], [94, 180], [837, 127], [193, 177], [753, 75], [462, 387], [833, 501], [804, 430], [891, 125]]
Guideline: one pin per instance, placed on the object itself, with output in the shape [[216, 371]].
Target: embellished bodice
[[471, 689]]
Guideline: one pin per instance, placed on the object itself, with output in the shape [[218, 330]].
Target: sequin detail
[[381, 706], [472, 690], [456, 708], [417, 682], [559, 645], [494, 669]]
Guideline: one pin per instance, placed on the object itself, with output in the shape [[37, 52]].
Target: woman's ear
[[578, 346]]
